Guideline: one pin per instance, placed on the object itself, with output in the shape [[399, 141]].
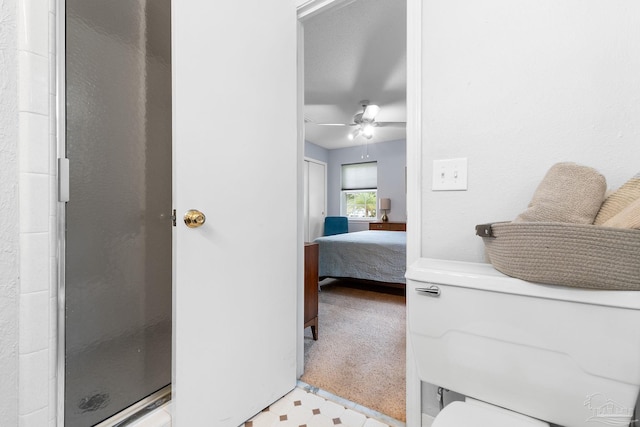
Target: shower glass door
[[118, 254]]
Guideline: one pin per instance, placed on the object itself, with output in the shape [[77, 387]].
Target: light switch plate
[[449, 175]]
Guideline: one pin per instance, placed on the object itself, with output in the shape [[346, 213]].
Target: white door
[[317, 199], [234, 85]]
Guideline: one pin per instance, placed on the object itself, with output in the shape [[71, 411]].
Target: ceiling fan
[[365, 122]]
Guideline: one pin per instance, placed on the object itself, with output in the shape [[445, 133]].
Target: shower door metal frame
[[61, 120], [149, 403]]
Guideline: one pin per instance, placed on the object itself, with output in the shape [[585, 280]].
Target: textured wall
[[27, 214], [516, 86], [9, 237]]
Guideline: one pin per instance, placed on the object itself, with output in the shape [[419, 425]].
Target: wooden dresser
[[388, 226], [311, 287]]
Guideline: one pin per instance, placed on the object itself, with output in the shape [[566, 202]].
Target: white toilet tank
[[564, 355]]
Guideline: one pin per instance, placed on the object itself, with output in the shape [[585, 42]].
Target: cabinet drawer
[[388, 226]]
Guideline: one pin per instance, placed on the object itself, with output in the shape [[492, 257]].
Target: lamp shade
[[385, 204]]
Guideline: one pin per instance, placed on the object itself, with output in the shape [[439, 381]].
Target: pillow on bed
[[568, 193], [619, 199]]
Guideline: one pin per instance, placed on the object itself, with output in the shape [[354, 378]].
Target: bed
[[368, 255]]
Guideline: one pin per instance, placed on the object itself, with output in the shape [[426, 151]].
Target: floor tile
[[304, 408], [374, 423], [298, 416], [321, 421], [353, 418], [331, 409], [263, 419], [299, 408], [311, 400]]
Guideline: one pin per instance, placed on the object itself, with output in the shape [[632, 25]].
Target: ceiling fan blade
[[370, 112], [391, 124], [332, 124]]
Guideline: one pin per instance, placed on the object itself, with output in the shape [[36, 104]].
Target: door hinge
[[173, 218]]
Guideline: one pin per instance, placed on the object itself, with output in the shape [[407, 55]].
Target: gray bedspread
[[370, 255]]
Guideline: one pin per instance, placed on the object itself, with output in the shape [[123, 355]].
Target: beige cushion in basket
[[629, 217], [619, 199], [568, 193]]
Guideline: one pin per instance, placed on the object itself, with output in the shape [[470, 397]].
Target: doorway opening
[[355, 55]]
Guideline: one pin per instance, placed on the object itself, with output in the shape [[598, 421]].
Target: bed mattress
[[368, 255]]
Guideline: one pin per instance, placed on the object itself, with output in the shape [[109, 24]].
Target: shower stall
[[116, 239]]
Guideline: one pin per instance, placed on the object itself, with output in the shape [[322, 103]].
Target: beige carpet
[[360, 352]]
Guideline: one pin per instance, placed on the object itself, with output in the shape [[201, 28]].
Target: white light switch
[[449, 175]]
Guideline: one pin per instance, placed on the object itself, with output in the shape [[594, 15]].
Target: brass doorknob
[[194, 218]]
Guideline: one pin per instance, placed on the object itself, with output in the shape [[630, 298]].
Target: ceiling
[[353, 53]]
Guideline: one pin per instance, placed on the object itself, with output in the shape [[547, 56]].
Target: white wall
[[27, 214], [516, 86], [9, 233]]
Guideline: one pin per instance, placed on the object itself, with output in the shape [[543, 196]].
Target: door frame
[[414, 184], [323, 164], [414, 170]]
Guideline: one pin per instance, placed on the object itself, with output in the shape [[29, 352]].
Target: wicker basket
[[584, 256]]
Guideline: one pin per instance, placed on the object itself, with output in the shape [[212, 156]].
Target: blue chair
[[335, 225]]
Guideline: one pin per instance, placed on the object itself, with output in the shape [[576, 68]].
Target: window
[[359, 190], [359, 204]]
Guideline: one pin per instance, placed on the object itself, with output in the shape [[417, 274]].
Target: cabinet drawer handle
[[432, 290]]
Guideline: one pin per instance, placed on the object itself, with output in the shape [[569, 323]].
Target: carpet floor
[[360, 352]]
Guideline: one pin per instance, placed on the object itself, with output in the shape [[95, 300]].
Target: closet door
[[307, 235], [317, 183]]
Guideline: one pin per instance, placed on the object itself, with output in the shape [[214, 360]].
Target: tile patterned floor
[[304, 406]]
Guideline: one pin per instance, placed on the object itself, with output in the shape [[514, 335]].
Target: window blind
[[360, 176]]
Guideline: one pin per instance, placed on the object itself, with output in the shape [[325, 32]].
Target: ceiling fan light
[[367, 130], [370, 112]]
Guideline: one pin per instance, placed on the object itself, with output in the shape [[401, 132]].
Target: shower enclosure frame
[[153, 401], [61, 119]]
